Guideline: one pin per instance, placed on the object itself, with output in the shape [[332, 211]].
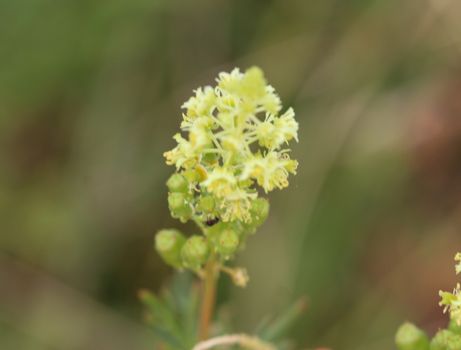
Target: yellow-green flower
[[202, 104], [236, 206], [270, 171], [452, 301], [183, 155], [235, 139], [287, 125], [221, 182]]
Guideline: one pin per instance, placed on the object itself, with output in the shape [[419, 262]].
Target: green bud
[[259, 211], [446, 340], [168, 244], [206, 204], [179, 206], [227, 243], [193, 175], [454, 327], [178, 183], [410, 337], [195, 252], [212, 233]]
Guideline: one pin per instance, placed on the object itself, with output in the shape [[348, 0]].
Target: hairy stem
[[243, 340], [208, 297]]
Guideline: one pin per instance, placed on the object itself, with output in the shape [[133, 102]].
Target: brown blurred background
[[90, 95]]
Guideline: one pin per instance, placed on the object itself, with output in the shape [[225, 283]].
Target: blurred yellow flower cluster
[[234, 137], [452, 301]]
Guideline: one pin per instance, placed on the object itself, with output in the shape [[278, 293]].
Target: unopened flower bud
[[195, 252], [454, 326], [410, 337], [227, 243], [206, 204], [179, 206], [213, 232], [177, 183], [259, 211], [168, 244], [446, 340]]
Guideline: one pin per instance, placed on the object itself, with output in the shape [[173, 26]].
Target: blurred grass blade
[[281, 325], [171, 340]]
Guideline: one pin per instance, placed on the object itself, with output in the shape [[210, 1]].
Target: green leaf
[[174, 314]]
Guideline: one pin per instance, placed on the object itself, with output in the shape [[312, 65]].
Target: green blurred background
[[90, 95]]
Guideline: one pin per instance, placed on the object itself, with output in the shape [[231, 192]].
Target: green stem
[[208, 297], [245, 341]]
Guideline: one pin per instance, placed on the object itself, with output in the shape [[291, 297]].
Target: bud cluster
[[234, 142], [220, 239]]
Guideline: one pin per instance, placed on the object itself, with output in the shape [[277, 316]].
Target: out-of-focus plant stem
[[208, 297], [245, 341]]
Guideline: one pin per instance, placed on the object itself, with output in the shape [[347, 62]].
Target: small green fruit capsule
[[195, 252], [446, 340], [207, 204], [227, 243], [454, 327], [168, 244], [178, 183], [191, 175], [410, 337], [259, 211], [213, 232], [179, 206]]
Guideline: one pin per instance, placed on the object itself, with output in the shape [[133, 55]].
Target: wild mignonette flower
[[238, 124], [232, 146], [452, 302]]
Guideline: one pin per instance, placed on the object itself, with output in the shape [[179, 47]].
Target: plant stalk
[[208, 298], [246, 341]]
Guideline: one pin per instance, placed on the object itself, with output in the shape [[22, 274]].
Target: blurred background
[[90, 95]]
